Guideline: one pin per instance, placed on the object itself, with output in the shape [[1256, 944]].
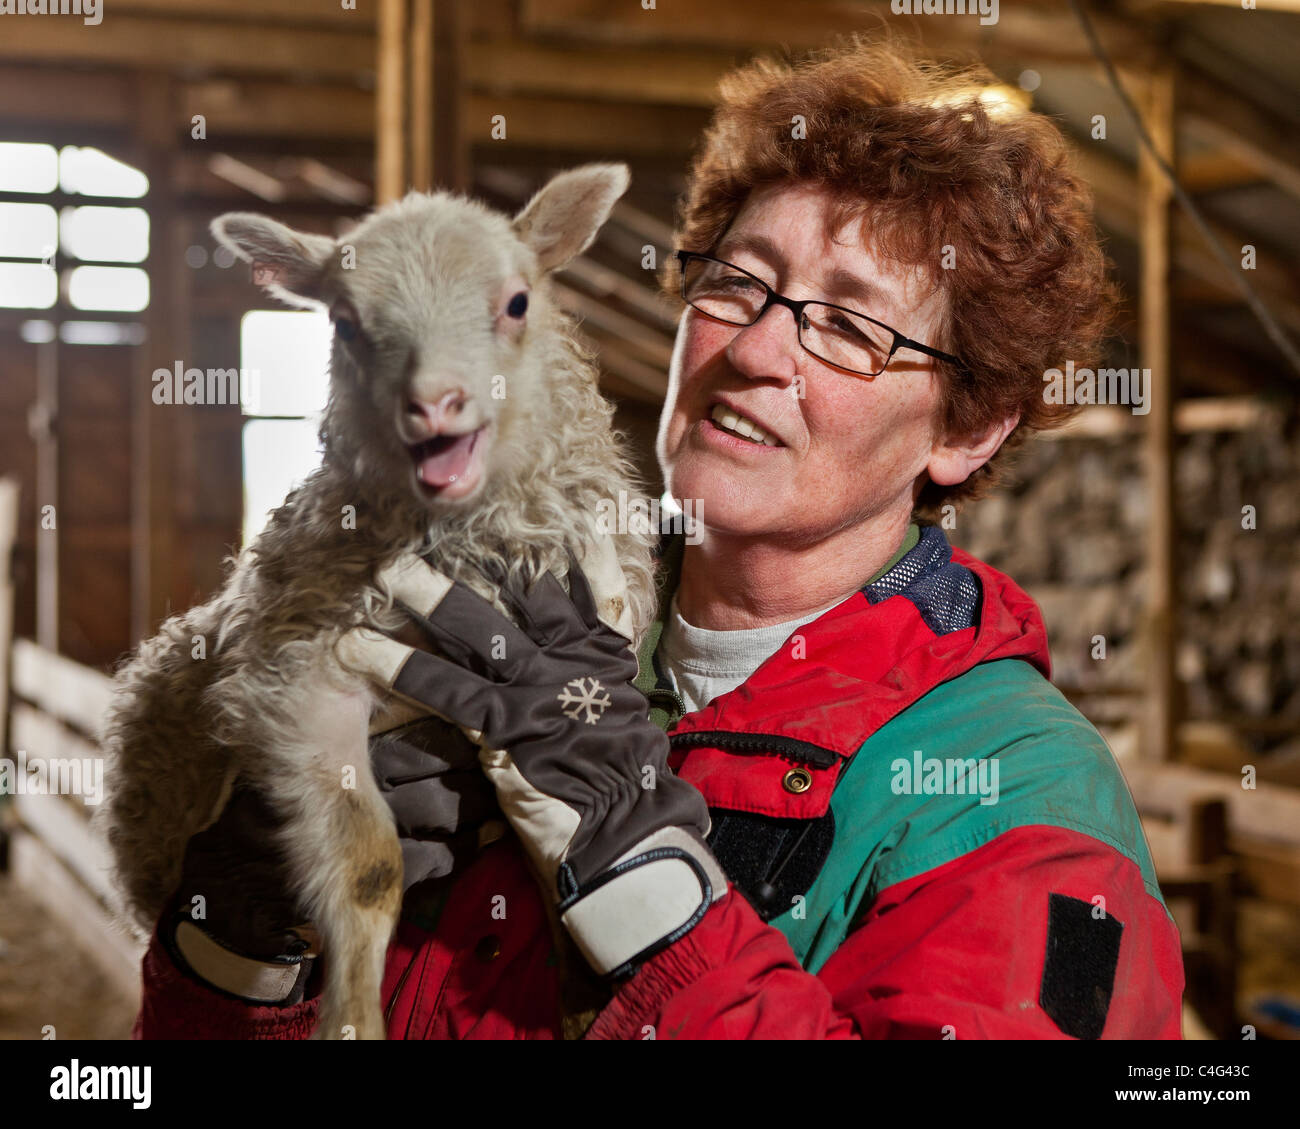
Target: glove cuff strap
[[652, 896], [256, 981]]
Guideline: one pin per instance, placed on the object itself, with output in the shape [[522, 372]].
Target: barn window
[[59, 254], [284, 382]]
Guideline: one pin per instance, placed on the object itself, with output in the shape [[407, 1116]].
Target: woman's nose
[[769, 348]]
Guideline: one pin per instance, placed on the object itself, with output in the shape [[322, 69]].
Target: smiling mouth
[[732, 423], [449, 466]]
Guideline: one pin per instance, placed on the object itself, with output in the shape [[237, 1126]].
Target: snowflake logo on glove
[[592, 698]]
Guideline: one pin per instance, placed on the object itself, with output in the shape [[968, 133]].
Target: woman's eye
[[738, 282], [518, 305], [840, 322]]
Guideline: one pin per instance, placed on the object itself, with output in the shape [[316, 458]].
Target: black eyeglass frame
[[797, 308]]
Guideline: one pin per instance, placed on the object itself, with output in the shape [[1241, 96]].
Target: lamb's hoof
[[351, 1023]]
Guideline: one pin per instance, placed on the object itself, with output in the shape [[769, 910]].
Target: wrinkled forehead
[[826, 244]]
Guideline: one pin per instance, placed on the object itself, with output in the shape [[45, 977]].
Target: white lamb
[[464, 423]]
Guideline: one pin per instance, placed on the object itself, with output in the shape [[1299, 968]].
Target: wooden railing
[[55, 715]]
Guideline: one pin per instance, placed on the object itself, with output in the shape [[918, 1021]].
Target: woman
[[881, 820]]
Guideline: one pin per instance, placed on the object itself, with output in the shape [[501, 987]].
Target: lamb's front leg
[[343, 852]]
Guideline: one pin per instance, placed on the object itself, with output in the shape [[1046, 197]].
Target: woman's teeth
[[739, 425]]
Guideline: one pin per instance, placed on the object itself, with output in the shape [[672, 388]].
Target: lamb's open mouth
[[449, 466]]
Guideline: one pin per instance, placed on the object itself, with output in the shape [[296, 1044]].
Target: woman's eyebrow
[[840, 283], [845, 282]]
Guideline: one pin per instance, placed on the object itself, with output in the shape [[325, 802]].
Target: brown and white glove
[[580, 771]]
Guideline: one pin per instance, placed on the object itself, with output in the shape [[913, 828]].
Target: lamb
[[464, 424]]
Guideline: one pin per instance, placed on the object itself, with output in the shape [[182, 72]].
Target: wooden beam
[[166, 342], [1267, 813], [486, 17], [443, 98], [9, 494], [63, 821], [1116, 203], [421, 107], [243, 175], [1215, 170], [596, 72], [266, 108], [43, 422], [1023, 31], [1249, 132], [638, 339], [245, 114], [41, 95], [75, 694], [1210, 413], [165, 43], [390, 103], [1160, 635], [322, 13], [612, 287], [331, 182], [1173, 8]]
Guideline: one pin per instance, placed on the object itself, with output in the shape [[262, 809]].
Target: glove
[[252, 940], [231, 922], [580, 772], [429, 776]]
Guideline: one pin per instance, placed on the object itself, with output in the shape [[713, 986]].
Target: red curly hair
[[909, 146]]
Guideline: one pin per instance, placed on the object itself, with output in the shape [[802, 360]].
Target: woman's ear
[[952, 461]]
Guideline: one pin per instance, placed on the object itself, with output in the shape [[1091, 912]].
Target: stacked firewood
[[1069, 525]]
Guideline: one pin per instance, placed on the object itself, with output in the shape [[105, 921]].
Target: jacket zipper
[[805, 752]]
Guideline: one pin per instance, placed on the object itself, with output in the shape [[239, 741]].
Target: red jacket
[[1030, 913]]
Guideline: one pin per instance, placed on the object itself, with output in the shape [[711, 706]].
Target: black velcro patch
[[1079, 968], [770, 860]]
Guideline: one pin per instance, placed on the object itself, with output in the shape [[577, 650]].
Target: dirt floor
[[46, 980]]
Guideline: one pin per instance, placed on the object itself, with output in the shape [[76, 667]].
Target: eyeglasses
[[843, 338]]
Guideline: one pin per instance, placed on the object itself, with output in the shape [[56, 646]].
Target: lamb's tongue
[[449, 464]]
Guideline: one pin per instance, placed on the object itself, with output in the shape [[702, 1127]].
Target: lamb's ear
[[563, 218], [289, 264]]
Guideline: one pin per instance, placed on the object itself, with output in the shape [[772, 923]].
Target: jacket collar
[[936, 613]]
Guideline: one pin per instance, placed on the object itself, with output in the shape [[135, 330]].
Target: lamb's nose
[[439, 415]]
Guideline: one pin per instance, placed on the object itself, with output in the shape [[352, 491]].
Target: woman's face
[[848, 448]]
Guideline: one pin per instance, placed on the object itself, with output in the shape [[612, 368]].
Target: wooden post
[[152, 484], [390, 103], [1160, 633], [450, 153], [43, 422], [421, 87], [420, 143]]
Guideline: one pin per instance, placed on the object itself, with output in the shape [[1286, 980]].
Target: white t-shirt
[[703, 664]]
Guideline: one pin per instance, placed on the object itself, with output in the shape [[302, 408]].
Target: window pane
[[28, 168], [278, 454], [116, 235], [27, 231], [286, 356], [101, 333], [94, 173], [108, 288], [37, 332], [27, 286]]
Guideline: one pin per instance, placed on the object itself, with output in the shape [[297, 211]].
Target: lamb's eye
[[518, 305], [346, 323]]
